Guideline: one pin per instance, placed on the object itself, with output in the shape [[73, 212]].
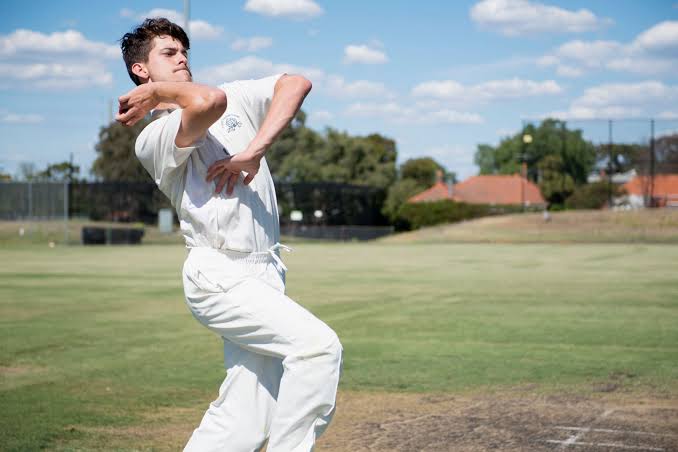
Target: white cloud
[[621, 100], [363, 54], [457, 158], [296, 9], [60, 60], [56, 75], [25, 44], [504, 132], [454, 92], [320, 116], [20, 118], [252, 44], [394, 112], [521, 17], [653, 51], [251, 67], [668, 115], [338, 87], [198, 29], [660, 38]]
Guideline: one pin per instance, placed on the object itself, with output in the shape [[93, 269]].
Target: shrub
[[420, 214], [592, 196]]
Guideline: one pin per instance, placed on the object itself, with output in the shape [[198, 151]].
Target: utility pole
[[652, 161], [187, 17], [609, 163]]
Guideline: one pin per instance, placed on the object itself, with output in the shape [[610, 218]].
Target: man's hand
[[134, 105], [228, 170]]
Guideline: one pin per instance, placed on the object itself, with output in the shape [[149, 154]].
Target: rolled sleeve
[[156, 149]]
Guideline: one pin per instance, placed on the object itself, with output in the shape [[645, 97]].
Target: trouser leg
[[240, 418], [253, 314]]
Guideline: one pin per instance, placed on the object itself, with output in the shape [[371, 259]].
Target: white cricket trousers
[[283, 364]]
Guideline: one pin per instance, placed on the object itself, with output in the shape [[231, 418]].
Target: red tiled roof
[[488, 189], [664, 185], [437, 192]]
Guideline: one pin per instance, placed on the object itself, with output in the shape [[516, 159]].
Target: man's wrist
[[257, 148]]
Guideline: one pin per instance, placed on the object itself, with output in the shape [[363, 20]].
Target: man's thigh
[[257, 317]]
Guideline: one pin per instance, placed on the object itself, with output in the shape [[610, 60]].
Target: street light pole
[[527, 139], [187, 17]]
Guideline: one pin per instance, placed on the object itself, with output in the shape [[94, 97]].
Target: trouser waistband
[[254, 257]]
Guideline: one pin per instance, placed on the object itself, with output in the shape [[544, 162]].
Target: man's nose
[[182, 59]]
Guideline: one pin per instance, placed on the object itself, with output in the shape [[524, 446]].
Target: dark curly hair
[[137, 44]]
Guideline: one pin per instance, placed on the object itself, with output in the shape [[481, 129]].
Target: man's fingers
[[216, 168], [222, 181], [213, 171], [249, 178], [128, 115], [231, 182]]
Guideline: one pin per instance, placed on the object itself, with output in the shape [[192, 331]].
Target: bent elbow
[[218, 101], [305, 85]]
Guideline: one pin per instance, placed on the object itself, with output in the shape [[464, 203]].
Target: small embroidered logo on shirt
[[231, 122]]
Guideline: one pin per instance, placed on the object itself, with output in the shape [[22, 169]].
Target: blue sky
[[437, 76]]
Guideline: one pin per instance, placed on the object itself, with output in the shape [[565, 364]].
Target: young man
[[205, 149]]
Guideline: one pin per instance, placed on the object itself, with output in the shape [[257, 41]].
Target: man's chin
[[184, 76]]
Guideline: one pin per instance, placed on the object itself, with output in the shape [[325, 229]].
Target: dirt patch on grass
[[520, 419], [509, 421]]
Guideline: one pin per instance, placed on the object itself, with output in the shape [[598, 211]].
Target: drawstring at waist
[[254, 257], [272, 251]]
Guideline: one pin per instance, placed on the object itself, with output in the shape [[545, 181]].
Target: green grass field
[[98, 338]]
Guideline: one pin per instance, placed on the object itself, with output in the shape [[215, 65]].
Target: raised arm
[[289, 93], [202, 105]]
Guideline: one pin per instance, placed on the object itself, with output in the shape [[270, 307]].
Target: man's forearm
[[188, 95], [202, 105], [288, 95]]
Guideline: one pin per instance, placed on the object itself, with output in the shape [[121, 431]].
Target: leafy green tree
[[59, 172], [416, 175], [116, 161], [301, 154], [551, 137], [397, 195], [423, 170], [556, 184]]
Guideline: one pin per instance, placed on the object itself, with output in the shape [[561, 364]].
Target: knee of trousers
[[323, 354]]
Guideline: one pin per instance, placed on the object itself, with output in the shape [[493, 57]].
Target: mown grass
[[100, 337]]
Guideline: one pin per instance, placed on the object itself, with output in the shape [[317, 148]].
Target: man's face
[[167, 61]]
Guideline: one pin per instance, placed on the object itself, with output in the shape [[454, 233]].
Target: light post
[[527, 139]]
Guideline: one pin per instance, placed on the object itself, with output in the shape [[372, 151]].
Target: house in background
[[494, 190], [664, 191]]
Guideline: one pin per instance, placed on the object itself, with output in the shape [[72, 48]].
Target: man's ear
[[140, 70]]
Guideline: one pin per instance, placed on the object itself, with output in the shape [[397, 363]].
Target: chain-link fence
[[315, 210]]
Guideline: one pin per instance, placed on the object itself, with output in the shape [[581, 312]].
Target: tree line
[[557, 158]]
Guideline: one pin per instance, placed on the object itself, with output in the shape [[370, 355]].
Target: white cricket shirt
[[245, 221]]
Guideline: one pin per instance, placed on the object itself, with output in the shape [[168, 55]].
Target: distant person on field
[[205, 150]]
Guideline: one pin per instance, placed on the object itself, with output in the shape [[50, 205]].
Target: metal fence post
[[66, 184]]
